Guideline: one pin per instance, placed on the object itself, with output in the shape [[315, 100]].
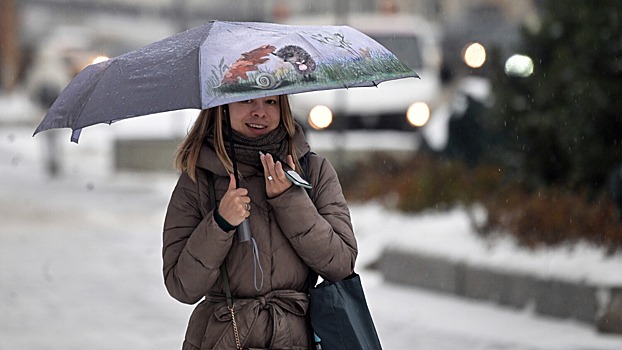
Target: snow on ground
[[449, 235], [80, 265]]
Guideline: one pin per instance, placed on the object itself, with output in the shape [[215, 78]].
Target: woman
[[292, 230]]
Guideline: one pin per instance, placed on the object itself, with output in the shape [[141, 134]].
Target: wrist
[[222, 223]]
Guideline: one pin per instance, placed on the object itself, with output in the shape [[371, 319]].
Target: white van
[[414, 41]]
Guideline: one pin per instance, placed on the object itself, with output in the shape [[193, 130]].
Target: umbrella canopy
[[219, 63]]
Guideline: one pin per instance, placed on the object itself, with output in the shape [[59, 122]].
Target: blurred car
[[485, 26], [403, 104]]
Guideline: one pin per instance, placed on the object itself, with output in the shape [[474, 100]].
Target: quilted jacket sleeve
[[194, 246], [321, 233]]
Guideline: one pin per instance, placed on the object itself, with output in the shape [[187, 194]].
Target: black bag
[[338, 310], [340, 316]]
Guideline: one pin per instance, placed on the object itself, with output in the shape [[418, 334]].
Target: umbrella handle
[[243, 232]]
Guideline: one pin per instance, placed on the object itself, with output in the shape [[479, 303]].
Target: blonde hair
[[211, 119]]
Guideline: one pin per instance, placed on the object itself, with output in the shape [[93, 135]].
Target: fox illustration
[[248, 62]]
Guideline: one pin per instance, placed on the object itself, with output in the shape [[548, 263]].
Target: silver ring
[[270, 178], [247, 206]]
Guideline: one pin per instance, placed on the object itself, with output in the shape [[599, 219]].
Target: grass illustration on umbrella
[[247, 73]]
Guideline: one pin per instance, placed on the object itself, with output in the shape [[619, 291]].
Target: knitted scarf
[[247, 148]]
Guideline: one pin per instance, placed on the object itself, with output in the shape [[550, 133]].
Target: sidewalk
[[81, 268]]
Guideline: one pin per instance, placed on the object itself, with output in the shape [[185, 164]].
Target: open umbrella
[[219, 63]]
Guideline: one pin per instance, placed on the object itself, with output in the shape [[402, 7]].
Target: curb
[[595, 305]]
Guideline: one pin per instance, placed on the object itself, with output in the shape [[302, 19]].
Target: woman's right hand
[[235, 204]]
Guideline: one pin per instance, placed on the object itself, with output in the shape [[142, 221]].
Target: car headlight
[[418, 114], [474, 55], [320, 117]]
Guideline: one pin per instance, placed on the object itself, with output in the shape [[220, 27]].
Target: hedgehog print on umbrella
[[299, 58], [249, 61]]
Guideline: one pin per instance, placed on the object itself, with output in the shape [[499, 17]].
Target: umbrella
[[219, 63]]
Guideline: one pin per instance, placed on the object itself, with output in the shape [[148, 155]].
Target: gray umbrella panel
[[130, 85]]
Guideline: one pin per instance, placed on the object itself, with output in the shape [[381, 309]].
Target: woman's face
[[256, 117]]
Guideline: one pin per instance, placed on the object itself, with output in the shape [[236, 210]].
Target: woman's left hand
[[276, 181]]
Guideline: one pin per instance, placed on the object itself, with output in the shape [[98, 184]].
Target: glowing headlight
[[519, 66], [418, 114], [474, 55], [320, 117]]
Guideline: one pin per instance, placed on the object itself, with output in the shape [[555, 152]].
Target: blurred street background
[[513, 132]]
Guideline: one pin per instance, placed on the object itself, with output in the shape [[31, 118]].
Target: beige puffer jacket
[[292, 232]]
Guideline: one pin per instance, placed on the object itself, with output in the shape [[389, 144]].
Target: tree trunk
[[9, 45]]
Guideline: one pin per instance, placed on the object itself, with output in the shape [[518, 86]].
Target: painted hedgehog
[[299, 58]]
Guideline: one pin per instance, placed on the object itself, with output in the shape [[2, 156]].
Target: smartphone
[[290, 173]]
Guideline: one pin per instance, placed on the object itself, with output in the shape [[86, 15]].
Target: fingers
[[269, 168], [275, 168], [232, 183], [279, 170], [235, 204], [276, 181], [290, 161], [264, 163], [233, 190]]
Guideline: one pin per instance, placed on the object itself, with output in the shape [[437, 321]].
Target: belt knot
[[262, 302]]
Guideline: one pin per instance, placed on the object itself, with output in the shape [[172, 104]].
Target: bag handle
[[224, 276], [223, 269]]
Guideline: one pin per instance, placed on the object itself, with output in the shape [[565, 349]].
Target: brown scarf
[[247, 148]]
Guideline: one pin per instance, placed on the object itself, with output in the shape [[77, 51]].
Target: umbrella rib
[[109, 63]]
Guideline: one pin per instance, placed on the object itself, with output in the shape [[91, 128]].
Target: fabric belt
[[278, 302]]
